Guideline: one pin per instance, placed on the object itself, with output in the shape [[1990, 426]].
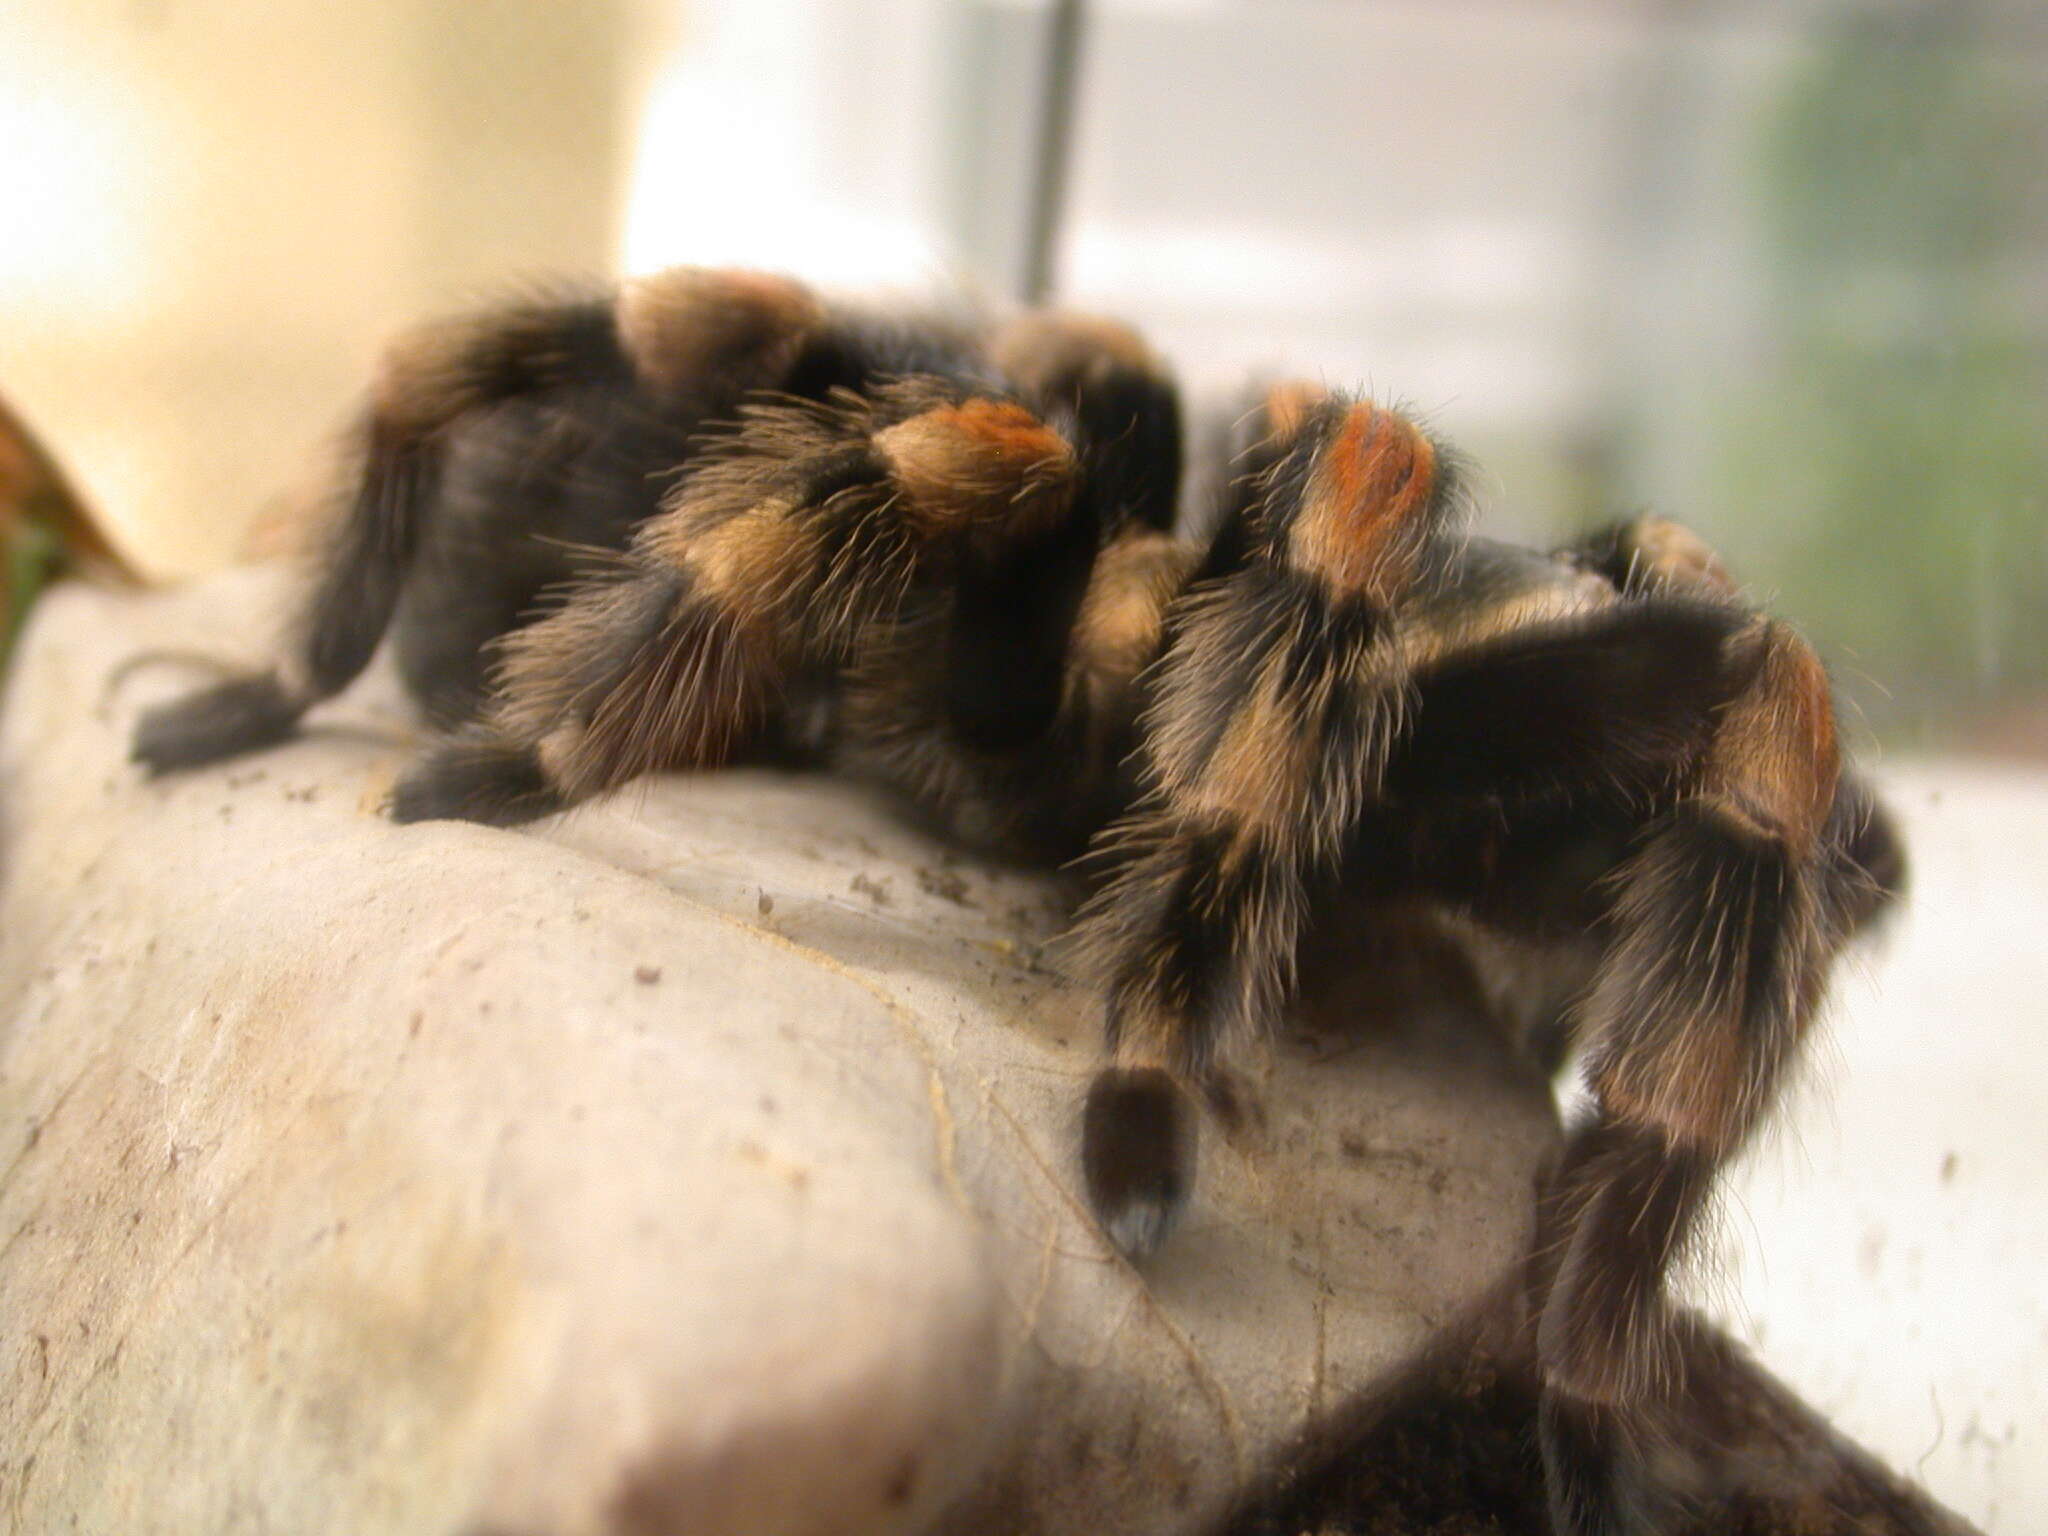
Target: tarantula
[[715, 517]]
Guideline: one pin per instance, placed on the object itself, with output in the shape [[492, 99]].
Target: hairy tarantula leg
[[781, 546], [1239, 455], [688, 335], [1099, 383], [1724, 925], [476, 774], [1650, 554], [1653, 555], [1014, 612], [1274, 710], [1866, 858], [1052, 771]]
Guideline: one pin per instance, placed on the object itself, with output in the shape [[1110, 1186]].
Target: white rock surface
[[701, 1161]]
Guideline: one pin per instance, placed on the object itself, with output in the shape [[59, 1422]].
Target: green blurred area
[[1893, 453], [34, 559]]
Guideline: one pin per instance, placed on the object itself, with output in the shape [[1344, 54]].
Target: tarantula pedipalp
[[936, 553]]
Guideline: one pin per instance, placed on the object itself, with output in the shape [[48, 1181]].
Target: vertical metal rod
[[1052, 152]]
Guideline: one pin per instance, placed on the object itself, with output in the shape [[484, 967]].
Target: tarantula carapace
[[716, 516]]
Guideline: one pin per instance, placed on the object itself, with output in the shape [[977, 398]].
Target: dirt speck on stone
[[902, 1482], [946, 884]]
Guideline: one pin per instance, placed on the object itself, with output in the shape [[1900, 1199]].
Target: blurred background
[[1778, 268]]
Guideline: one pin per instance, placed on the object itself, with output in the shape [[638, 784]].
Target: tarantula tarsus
[[716, 516]]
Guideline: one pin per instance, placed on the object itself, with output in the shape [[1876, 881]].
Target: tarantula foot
[[476, 777], [1137, 1155], [218, 722]]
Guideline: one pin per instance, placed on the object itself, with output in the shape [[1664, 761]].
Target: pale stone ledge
[[700, 1161]]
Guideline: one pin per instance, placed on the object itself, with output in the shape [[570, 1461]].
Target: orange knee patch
[[1361, 522], [980, 464]]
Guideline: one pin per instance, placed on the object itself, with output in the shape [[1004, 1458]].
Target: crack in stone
[[1205, 1375], [909, 1023]]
